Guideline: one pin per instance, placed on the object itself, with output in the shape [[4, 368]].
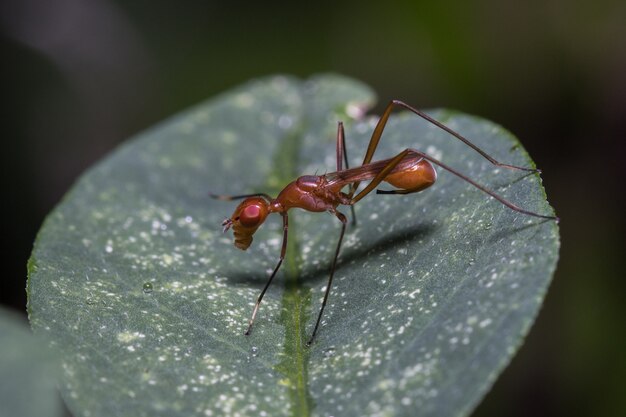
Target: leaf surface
[[27, 372], [133, 281]]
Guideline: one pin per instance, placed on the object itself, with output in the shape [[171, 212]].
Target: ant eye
[[250, 216]]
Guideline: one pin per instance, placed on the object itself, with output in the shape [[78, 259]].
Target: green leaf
[[133, 281], [27, 372]]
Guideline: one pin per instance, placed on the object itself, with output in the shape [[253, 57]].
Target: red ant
[[410, 171]]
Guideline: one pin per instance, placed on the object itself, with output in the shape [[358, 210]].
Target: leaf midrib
[[294, 305]]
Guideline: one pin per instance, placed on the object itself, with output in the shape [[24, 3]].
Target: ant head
[[246, 218]]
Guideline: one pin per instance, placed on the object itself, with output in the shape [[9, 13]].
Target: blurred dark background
[[80, 77]]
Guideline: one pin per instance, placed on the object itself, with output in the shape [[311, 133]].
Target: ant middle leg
[[342, 157]]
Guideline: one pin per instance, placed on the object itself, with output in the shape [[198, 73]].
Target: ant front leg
[[283, 251]]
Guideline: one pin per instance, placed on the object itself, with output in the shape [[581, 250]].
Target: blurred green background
[[80, 77]]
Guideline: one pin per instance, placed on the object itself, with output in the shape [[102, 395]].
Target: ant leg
[[239, 197], [283, 250], [342, 156], [393, 162], [458, 136], [469, 180], [373, 144], [382, 122], [343, 220], [401, 191]]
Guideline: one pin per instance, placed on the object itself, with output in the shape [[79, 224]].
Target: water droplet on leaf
[[330, 352]]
